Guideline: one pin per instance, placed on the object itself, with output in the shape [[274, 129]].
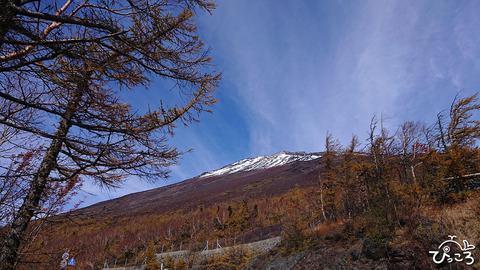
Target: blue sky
[[293, 70]]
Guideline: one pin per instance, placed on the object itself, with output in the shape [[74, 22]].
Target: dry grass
[[327, 229], [463, 219]]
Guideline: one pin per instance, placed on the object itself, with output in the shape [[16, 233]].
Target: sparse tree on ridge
[[352, 197], [458, 136], [329, 182], [378, 174], [409, 137], [62, 69]]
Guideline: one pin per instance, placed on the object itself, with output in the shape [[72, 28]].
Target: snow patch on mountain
[[263, 162]]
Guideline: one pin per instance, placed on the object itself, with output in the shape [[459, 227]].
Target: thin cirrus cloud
[[303, 69]]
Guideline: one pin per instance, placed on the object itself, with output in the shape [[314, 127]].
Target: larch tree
[[352, 197], [410, 144], [378, 176], [329, 182], [62, 69], [458, 137]]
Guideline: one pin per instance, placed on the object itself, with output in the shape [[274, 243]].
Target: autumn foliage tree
[[15, 183], [353, 193], [62, 72], [329, 183], [396, 174], [14, 186], [457, 136]]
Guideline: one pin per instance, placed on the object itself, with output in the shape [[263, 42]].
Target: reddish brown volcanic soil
[[207, 191]]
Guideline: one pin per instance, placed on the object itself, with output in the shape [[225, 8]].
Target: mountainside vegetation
[[65, 69], [386, 203]]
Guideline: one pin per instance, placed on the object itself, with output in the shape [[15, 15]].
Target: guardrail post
[[206, 247]]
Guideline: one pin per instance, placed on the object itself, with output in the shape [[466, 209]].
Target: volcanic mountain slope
[[244, 179]]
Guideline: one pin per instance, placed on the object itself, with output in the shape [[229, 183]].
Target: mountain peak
[[263, 162]]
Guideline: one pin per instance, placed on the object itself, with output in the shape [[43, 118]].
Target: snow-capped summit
[[263, 162]]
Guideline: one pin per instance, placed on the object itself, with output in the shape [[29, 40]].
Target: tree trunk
[[321, 201], [9, 252], [6, 18]]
